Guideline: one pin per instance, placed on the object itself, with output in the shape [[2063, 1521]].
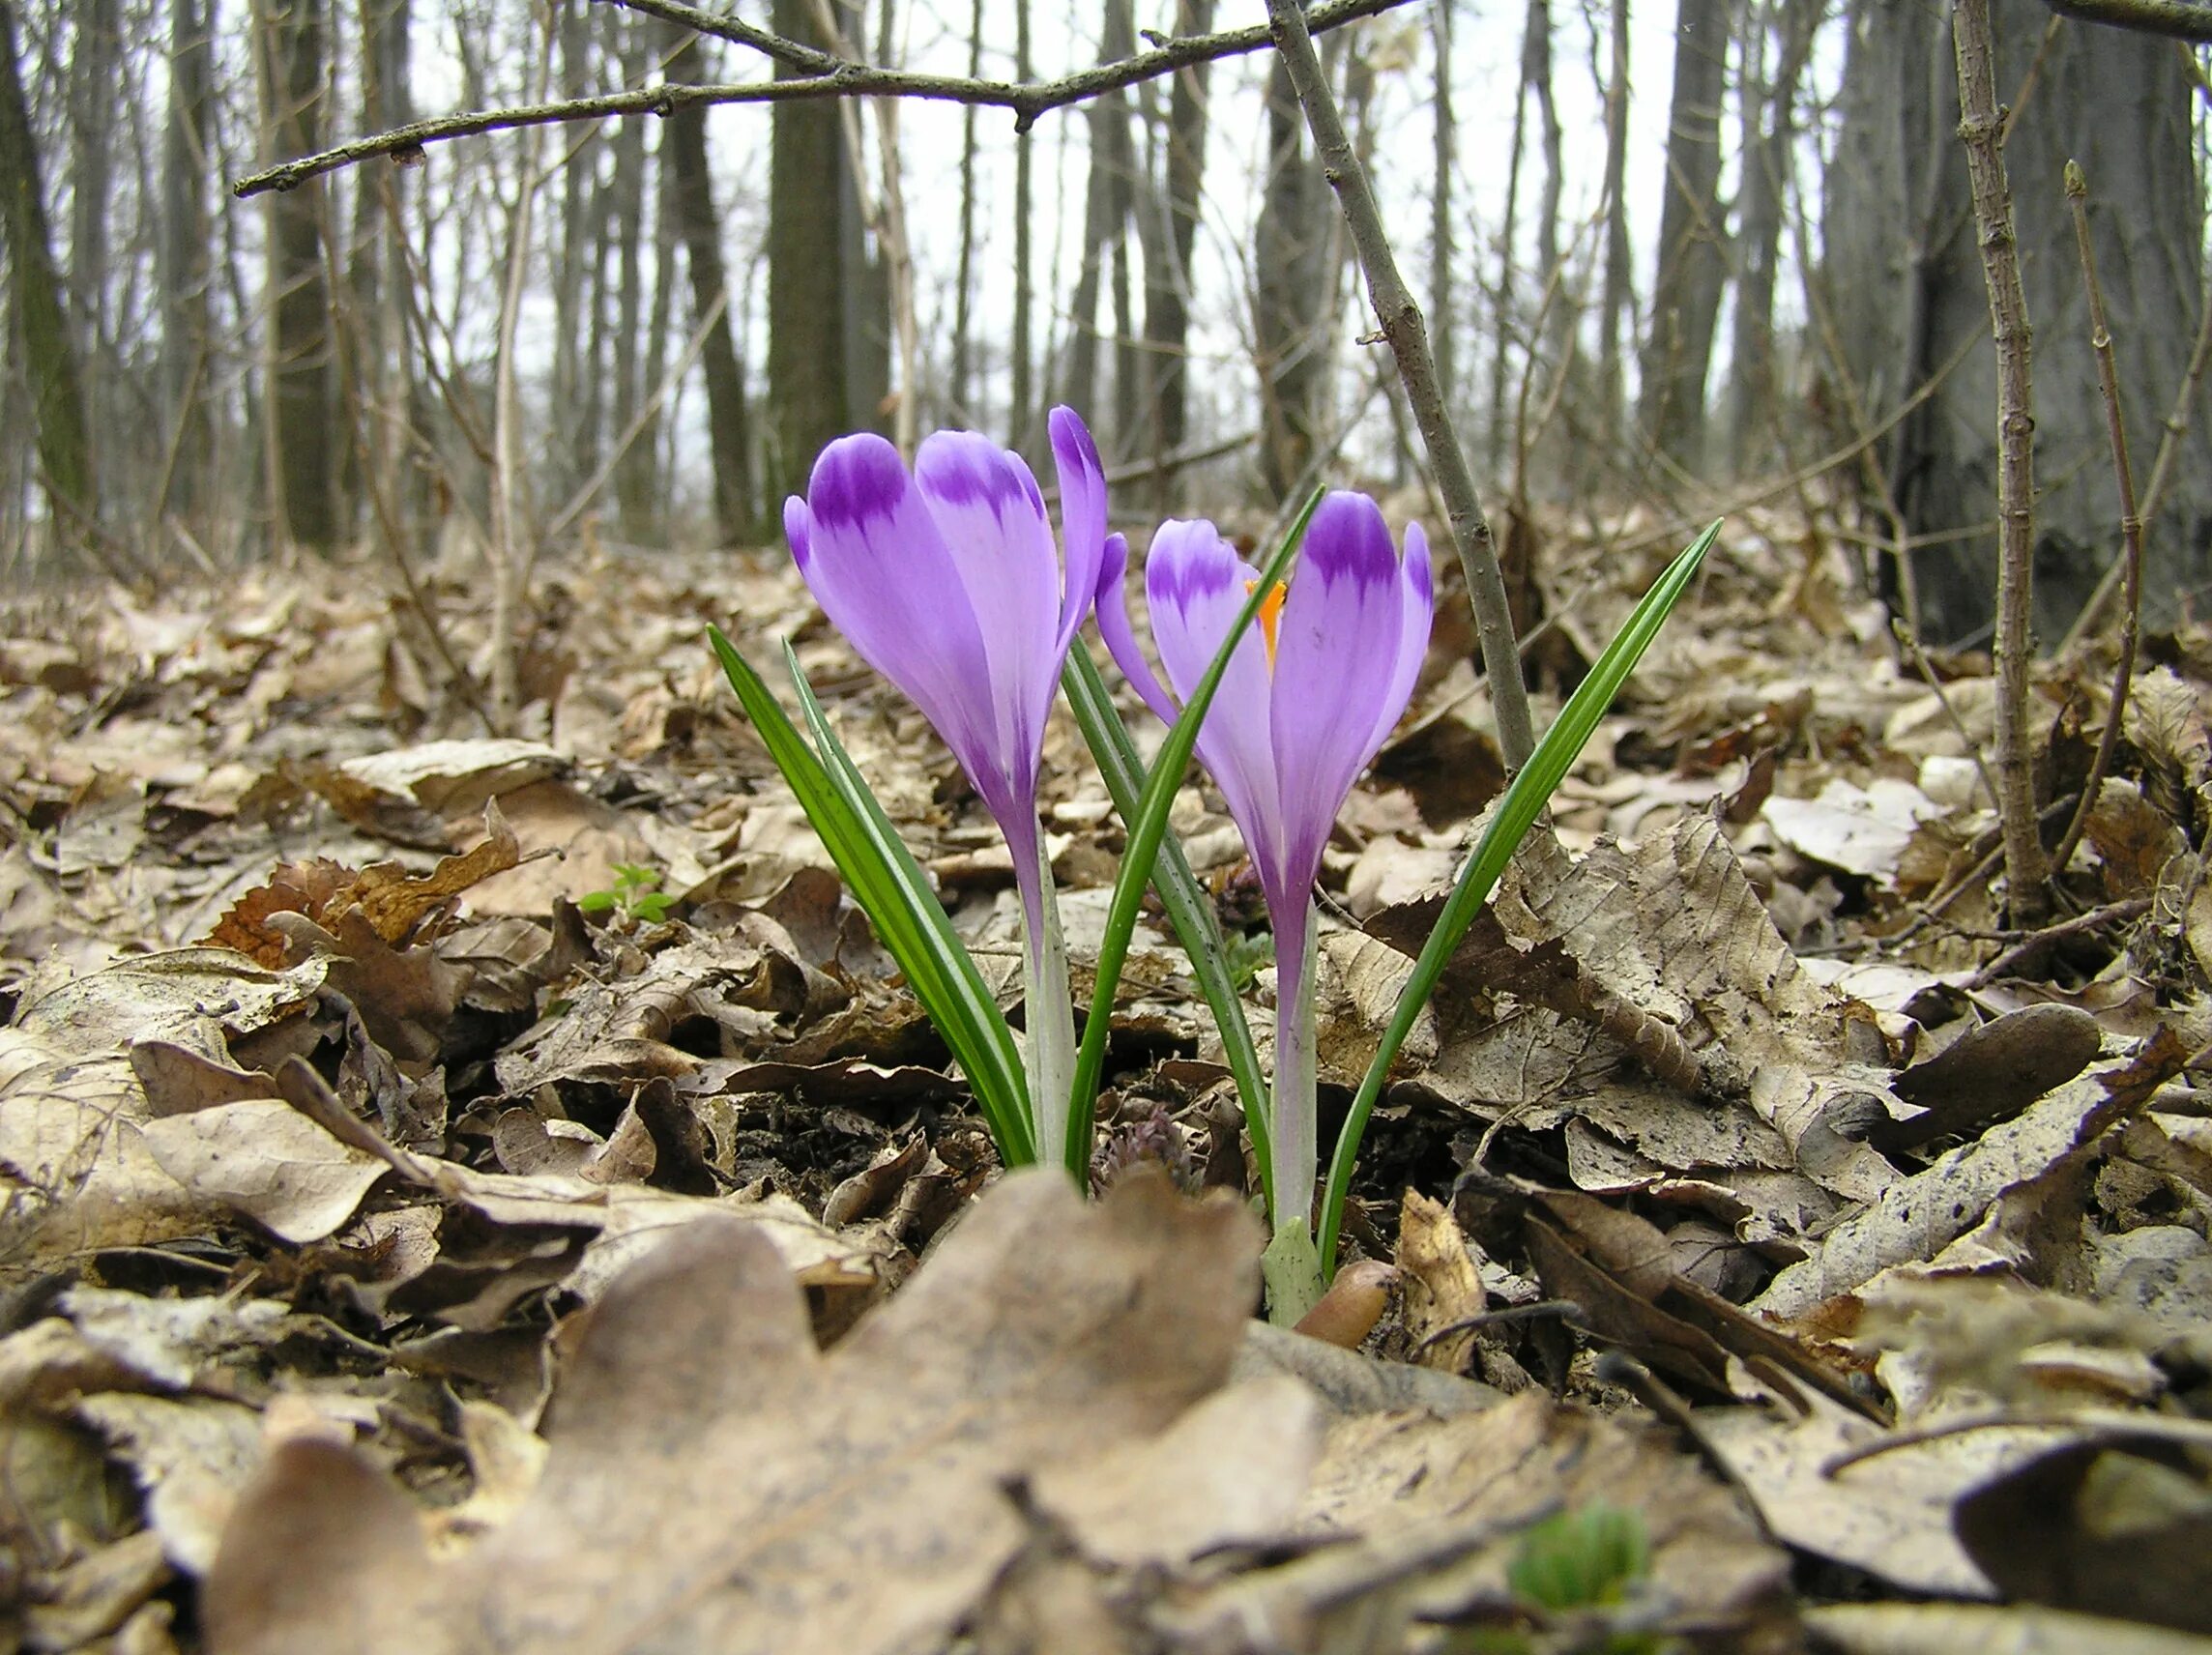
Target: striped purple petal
[[1195, 587], [1082, 519], [870, 550], [950, 584], [1337, 662]]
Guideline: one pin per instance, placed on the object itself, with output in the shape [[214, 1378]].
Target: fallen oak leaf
[[713, 1482]]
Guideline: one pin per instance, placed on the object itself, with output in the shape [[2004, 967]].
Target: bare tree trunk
[[185, 265], [65, 452], [1751, 421], [1105, 220], [1503, 324], [1686, 294], [1020, 414], [94, 69], [829, 366], [301, 409], [965, 288], [564, 445], [1443, 138], [380, 381], [1611, 409], [1167, 292], [1536, 67], [650, 471], [1906, 283], [633, 472], [694, 200], [1293, 269]]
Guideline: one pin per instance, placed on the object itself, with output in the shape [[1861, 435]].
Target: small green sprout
[[633, 896], [1245, 953], [1573, 1563]]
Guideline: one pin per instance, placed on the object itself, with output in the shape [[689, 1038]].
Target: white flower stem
[[1049, 1052], [1293, 1130]]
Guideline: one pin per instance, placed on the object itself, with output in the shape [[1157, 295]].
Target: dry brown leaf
[[715, 1483], [1428, 1512], [264, 1158], [1918, 1218], [1443, 1287], [1978, 1629]]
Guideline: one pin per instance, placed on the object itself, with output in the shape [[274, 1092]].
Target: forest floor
[[399, 1255]]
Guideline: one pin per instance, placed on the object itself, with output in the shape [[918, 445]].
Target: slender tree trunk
[[564, 442], [633, 472], [695, 203], [1293, 269], [1769, 138], [964, 283], [829, 366], [1443, 140], [380, 381], [1559, 327], [1612, 305], [650, 466], [94, 69], [1020, 414], [1686, 294], [1167, 299], [1105, 221], [49, 350], [303, 438], [1503, 322], [184, 269]]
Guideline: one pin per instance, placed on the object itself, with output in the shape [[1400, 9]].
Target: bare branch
[[2026, 865], [1026, 99], [2181, 19], [1408, 336]]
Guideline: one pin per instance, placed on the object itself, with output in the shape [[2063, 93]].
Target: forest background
[[1673, 257]]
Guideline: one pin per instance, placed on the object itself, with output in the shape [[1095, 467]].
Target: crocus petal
[[1120, 637], [871, 553], [1195, 586], [1082, 517], [1336, 661], [991, 516], [1416, 588]]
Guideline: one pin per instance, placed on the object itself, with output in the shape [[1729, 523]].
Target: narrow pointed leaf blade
[[969, 1005], [1188, 907], [1516, 813], [877, 886]]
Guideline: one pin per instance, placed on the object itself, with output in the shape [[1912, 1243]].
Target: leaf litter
[[397, 1252]]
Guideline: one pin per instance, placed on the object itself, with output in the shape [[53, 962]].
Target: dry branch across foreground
[[395, 1250]]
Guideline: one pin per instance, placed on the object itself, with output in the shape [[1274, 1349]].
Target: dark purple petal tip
[[1418, 570], [1349, 541], [962, 468], [1111, 565], [1071, 443], [1193, 558], [798, 530], [855, 479]]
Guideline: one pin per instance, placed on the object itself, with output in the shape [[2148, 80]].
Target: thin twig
[[2131, 524], [2036, 942], [1408, 334], [2026, 868], [1028, 100]]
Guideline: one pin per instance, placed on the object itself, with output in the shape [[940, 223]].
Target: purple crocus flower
[[948, 582], [1310, 695]]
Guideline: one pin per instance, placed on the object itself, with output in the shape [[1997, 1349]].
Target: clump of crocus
[[1303, 708], [950, 584]]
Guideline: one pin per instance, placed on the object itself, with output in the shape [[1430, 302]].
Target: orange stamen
[[1271, 616]]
